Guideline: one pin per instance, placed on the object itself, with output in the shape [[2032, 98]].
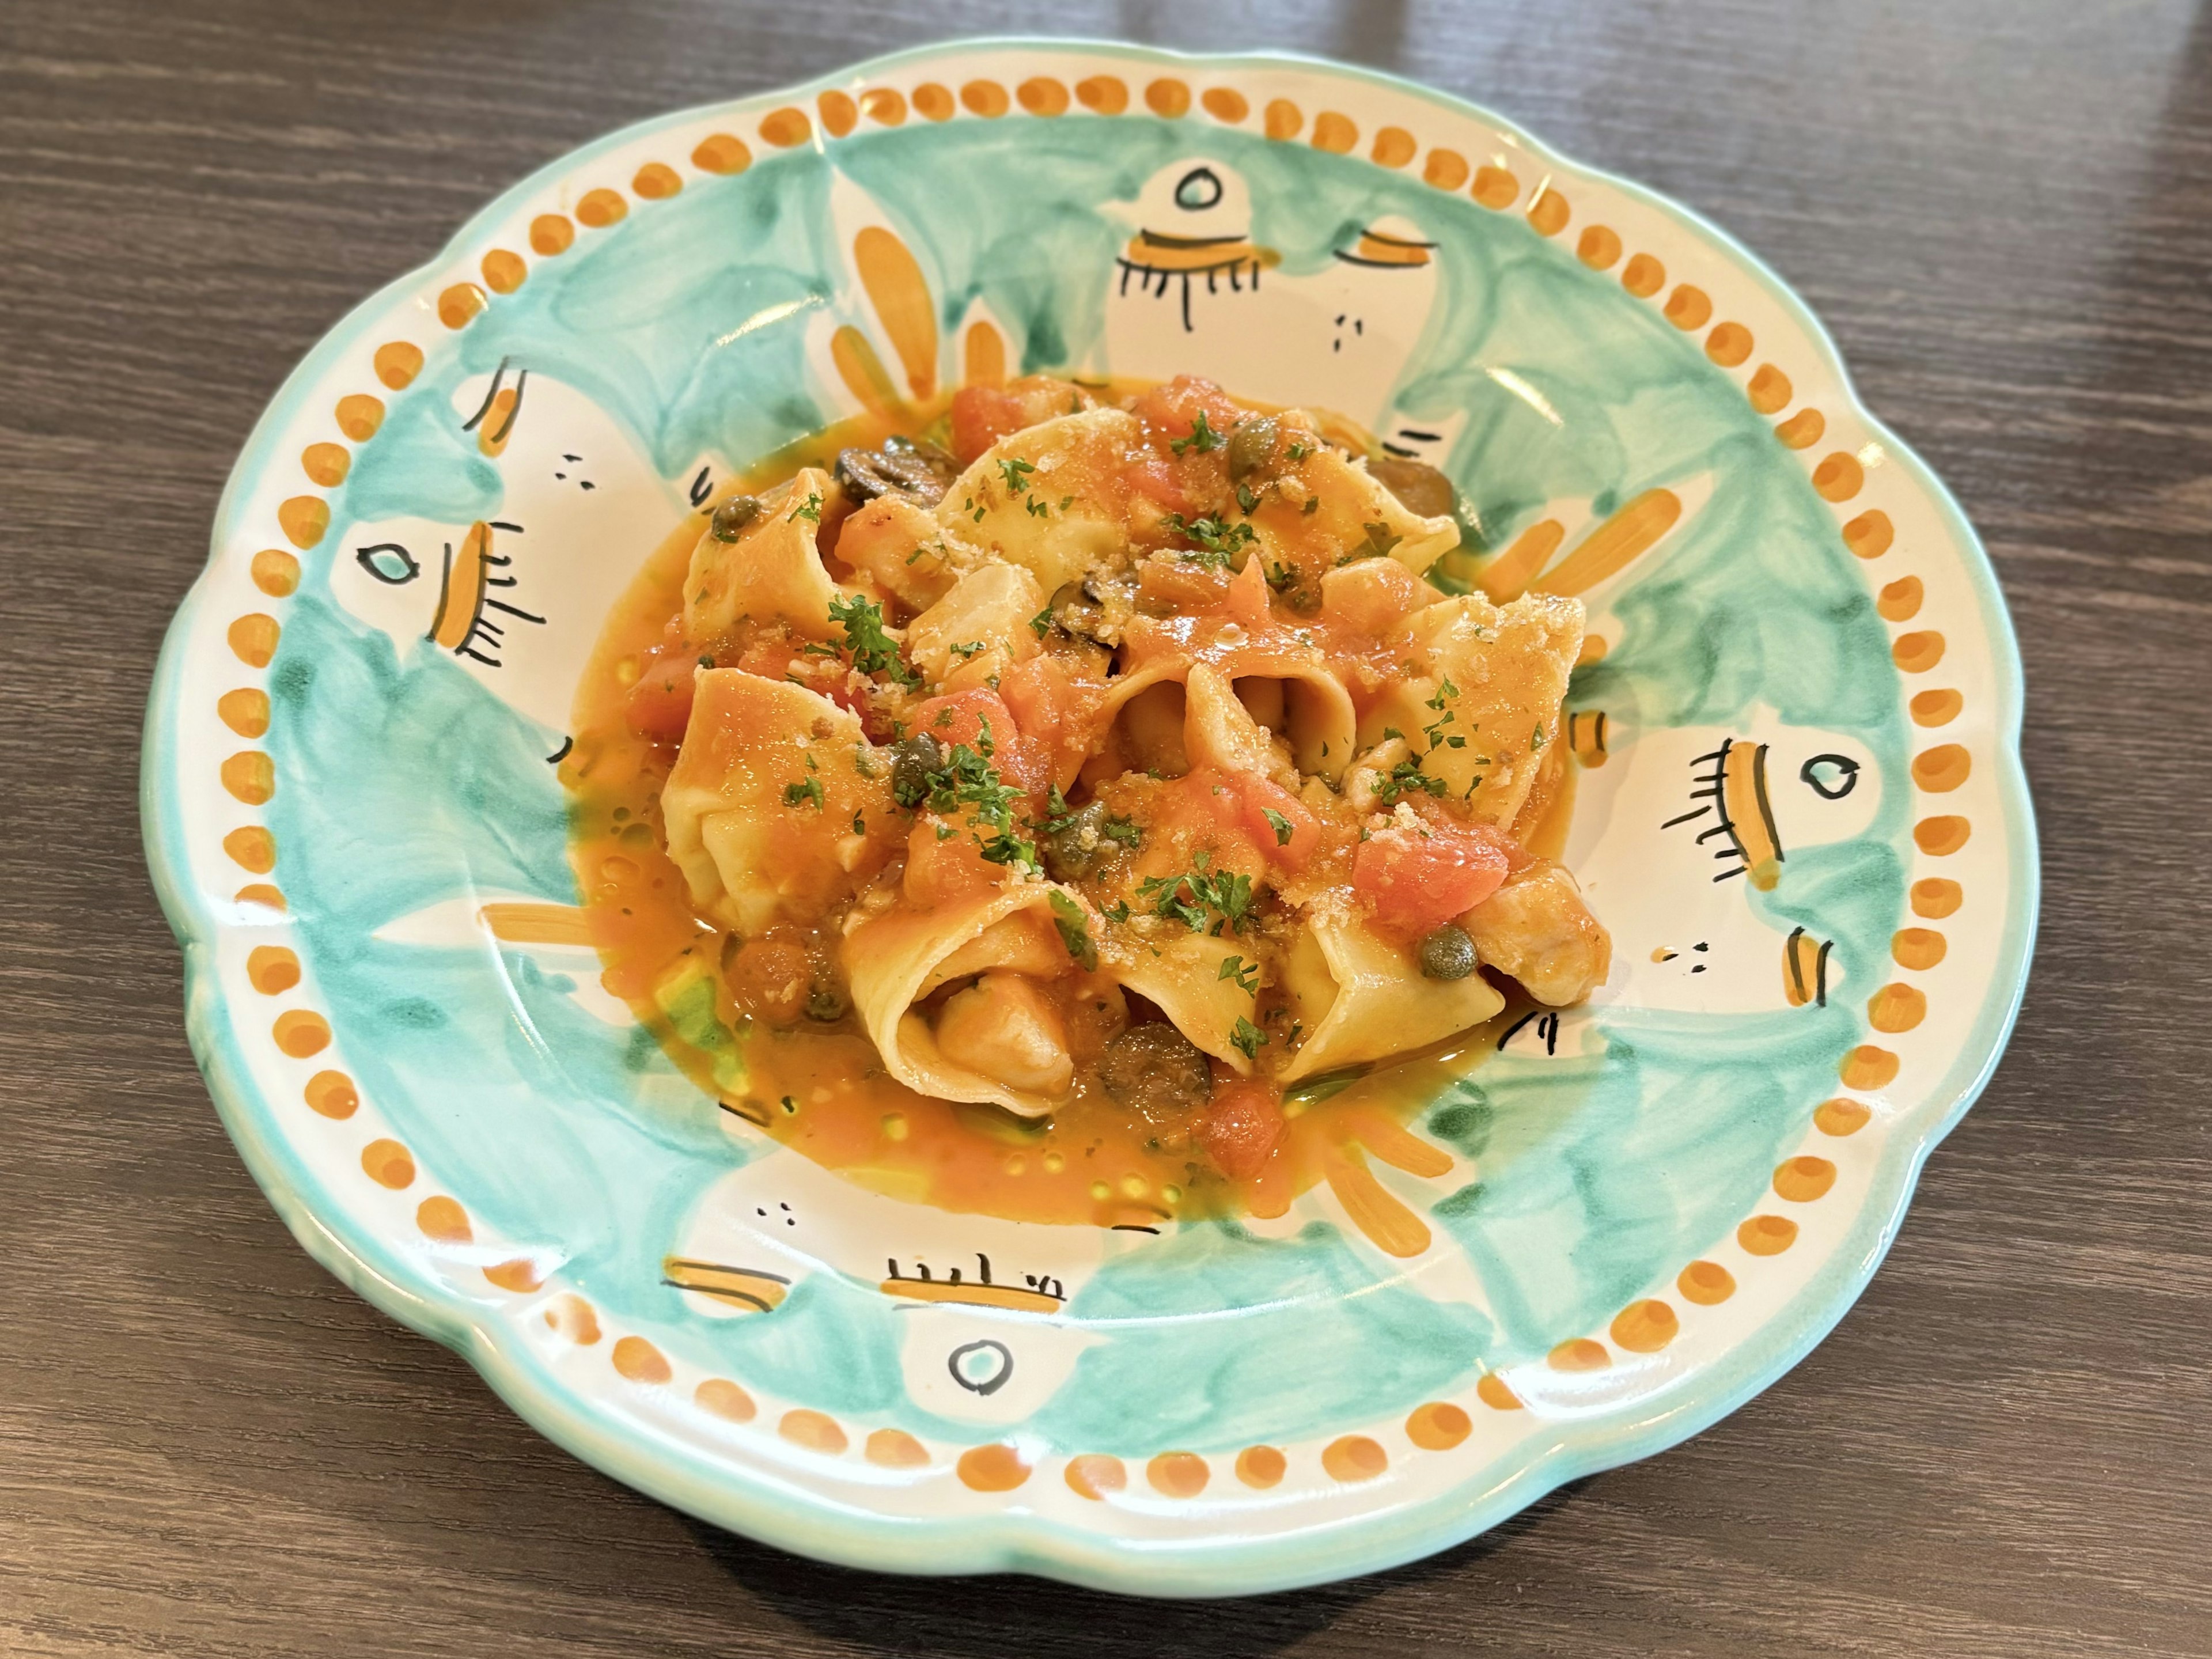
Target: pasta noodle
[[1109, 765]]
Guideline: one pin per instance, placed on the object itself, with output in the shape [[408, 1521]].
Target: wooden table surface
[[2003, 209]]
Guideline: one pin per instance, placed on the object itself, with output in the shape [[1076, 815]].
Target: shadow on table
[[1014, 1617]]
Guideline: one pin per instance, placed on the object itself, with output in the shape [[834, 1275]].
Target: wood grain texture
[[2003, 209]]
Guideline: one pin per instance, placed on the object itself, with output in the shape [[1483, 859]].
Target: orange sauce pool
[[823, 1091]]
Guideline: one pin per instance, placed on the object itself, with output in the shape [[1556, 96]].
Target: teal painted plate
[[1801, 812]]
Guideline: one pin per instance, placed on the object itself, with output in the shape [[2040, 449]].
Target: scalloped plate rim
[[746, 1499]]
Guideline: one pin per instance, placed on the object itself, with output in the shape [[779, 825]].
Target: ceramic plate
[[1801, 811]]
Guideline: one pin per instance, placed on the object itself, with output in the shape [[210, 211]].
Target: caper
[[915, 762], [1448, 953], [1419, 488], [827, 1002], [1251, 447], [731, 517], [1070, 850], [1156, 1070]]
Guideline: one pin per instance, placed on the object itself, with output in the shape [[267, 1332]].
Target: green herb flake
[[810, 509], [1194, 897], [1202, 438], [1246, 974], [1278, 824], [872, 649], [811, 790], [1074, 931], [1218, 543], [1247, 1038], [1041, 624]]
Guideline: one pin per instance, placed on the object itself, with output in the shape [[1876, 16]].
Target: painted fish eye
[[1831, 777], [1198, 190], [389, 562]]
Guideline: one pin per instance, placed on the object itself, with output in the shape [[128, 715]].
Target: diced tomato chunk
[[1243, 1122], [981, 414], [1020, 760], [961, 717], [774, 657], [941, 868], [1201, 812], [1293, 840], [1414, 883], [659, 704], [1040, 697], [1173, 409], [1151, 476]]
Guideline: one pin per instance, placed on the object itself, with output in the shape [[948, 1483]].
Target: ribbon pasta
[[1120, 763]]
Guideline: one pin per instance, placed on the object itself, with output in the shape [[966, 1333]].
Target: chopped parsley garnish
[[1038, 508], [1434, 732], [1041, 624], [810, 789], [706, 662], [966, 779], [1202, 437], [1246, 974], [1117, 911], [1017, 475], [1296, 453], [810, 509], [1074, 931], [873, 650], [1247, 1038], [1407, 778], [1218, 543], [965, 652], [1278, 824], [1192, 898], [1312, 506], [1248, 499]]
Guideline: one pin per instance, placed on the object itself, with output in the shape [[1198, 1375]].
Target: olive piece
[[1251, 447], [1420, 488], [1073, 849], [915, 762], [903, 467], [1448, 953], [1156, 1070], [731, 517], [827, 1002]]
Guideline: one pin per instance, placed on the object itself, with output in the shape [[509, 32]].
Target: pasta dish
[[1042, 810]]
